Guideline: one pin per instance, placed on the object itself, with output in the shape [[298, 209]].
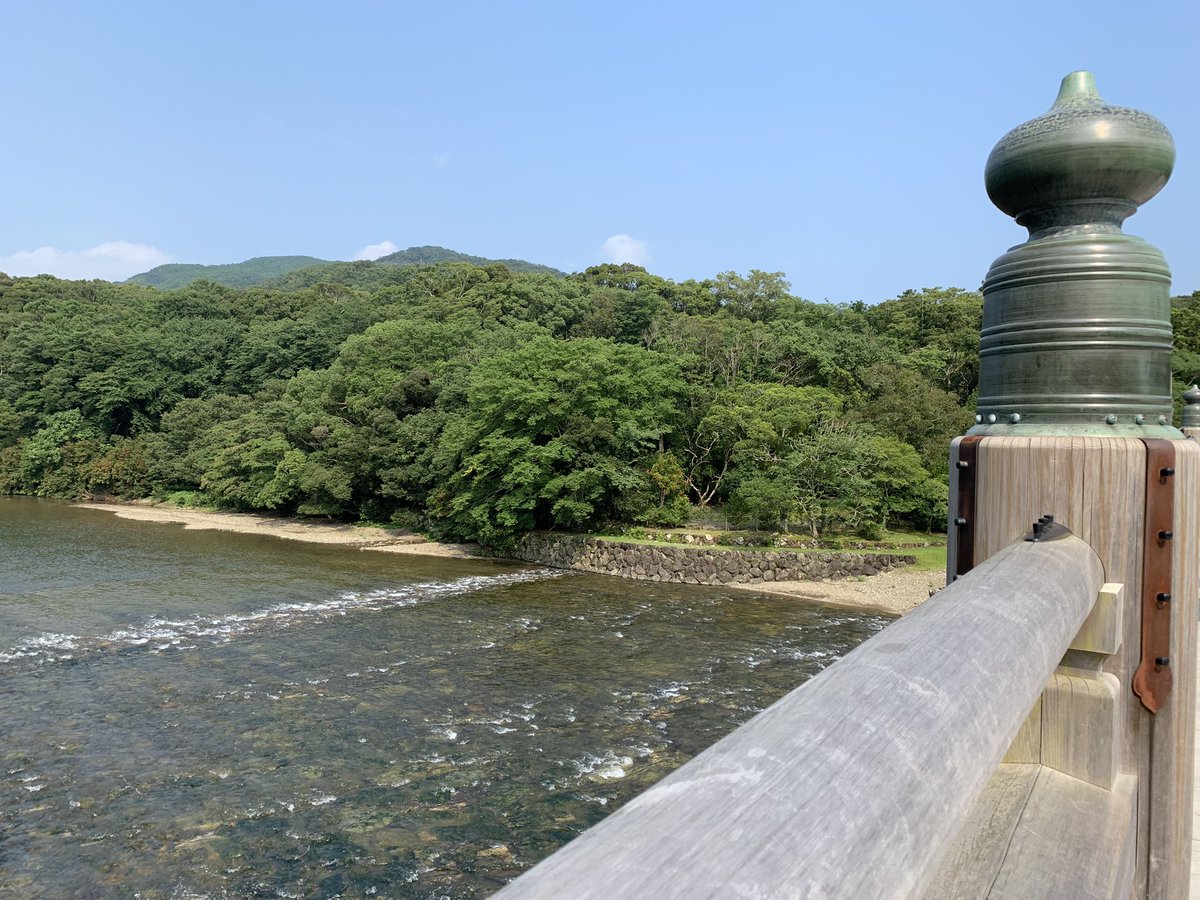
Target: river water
[[193, 714]]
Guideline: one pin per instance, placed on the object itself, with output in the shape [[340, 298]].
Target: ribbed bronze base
[[1077, 332]]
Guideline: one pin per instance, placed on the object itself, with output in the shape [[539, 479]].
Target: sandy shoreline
[[896, 592], [361, 537]]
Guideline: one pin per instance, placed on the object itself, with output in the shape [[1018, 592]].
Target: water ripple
[[159, 634]]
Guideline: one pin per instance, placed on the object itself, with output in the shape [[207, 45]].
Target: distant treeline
[[269, 271], [477, 403]]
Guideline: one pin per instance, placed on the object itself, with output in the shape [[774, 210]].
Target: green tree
[[254, 473], [670, 481], [123, 470], [10, 423], [553, 436], [940, 328], [766, 500], [750, 427], [43, 453], [900, 403], [753, 296], [833, 485], [897, 478]]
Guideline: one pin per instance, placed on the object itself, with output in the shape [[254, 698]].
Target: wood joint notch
[[1074, 727], [1101, 630], [1152, 680]]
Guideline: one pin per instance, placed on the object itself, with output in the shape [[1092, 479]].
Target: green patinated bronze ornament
[[1077, 320], [1191, 408]]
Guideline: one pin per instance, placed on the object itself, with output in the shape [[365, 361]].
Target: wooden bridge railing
[[986, 746], [858, 783]]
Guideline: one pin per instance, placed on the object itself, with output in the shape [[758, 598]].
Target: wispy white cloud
[[621, 248], [374, 251], [112, 261]]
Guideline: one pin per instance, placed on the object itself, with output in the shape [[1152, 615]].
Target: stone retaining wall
[[736, 539], [698, 565]]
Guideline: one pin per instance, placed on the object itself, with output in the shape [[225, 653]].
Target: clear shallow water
[[199, 714]]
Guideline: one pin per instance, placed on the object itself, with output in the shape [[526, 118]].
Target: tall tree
[[554, 434]]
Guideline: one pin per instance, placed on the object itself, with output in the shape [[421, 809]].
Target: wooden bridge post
[[1074, 421]]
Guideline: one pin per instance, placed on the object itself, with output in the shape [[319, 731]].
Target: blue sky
[[843, 145]]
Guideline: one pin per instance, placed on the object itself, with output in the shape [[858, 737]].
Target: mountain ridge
[[246, 273], [262, 269], [428, 255]]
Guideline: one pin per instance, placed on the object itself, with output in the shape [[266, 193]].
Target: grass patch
[[187, 500], [929, 559]]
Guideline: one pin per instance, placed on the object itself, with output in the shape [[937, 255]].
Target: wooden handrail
[[856, 783]]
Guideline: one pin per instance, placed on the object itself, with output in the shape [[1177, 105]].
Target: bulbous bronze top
[[1083, 164]]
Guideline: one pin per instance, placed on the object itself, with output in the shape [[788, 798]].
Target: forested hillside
[[244, 274], [478, 403], [428, 256], [290, 272]]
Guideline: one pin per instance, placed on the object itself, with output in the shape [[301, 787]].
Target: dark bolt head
[[1162, 661], [1048, 519], [963, 464], [1165, 535], [960, 521], [1166, 472], [1163, 597]]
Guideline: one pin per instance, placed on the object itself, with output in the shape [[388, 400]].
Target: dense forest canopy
[[478, 403]]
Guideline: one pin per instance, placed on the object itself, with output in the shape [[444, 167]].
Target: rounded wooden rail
[[854, 784]]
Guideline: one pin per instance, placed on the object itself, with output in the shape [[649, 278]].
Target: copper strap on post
[[1152, 680], [964, 519]]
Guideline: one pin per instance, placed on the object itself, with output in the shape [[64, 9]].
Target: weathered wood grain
[[1080, 727], [855, 784], [1038, 834], [1195, 892], [968, 870], [1089, 747], [1027, 745], [1074, 841]]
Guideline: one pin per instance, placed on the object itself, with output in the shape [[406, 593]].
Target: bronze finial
[[1076, 323], [1191, 407]]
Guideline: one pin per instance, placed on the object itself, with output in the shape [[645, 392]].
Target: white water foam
[[163, 634], [606, 767], [48, 644]]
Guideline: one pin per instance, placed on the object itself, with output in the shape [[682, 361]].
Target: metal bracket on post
[[1152, 680], [964, 520]]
